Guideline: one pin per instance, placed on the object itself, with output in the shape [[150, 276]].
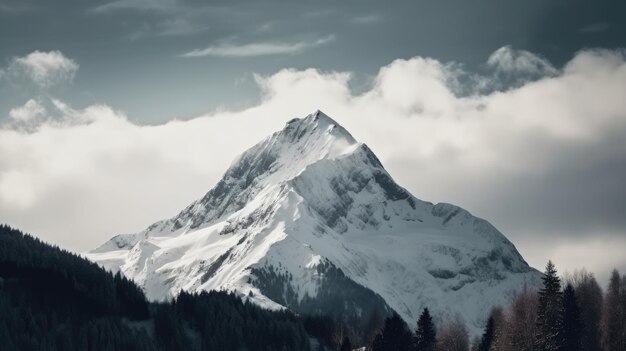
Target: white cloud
[[595, 27], [27, 112], [140, 5], [180, 26], [539, 152], [506, 59], [367, 19], [258, 49], [43, 69]]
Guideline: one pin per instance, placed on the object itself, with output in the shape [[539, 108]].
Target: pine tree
[[571, 326], [613, 323], [589, 298], [5, 336], [622, 304], [488, 335], [346, 345], [550, 312], [425, 335], [395, 336], [378, 344]]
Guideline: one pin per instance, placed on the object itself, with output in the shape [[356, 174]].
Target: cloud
[[178, 26], [543, 161], [27, 112], [367, 19], [595, 27], [258, 48], [43, 69], [138, 5]]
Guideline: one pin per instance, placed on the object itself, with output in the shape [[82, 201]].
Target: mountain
[[310, 220]]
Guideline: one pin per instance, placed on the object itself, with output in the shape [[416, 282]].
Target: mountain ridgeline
[[308, 219]]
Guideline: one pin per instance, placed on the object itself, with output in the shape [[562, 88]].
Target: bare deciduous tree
[[453, 336], [522, 320], [590, 298], [500, 340]]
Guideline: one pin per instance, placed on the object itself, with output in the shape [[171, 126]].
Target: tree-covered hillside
[[51, 299]]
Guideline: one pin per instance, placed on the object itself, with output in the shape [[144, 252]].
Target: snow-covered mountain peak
[[308, 219], [272, 162], [314, 137], [320, 121]]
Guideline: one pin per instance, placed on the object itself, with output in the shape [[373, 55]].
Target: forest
[[52, 299], [570, 314]]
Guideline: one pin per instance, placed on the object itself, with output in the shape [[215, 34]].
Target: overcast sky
[[116, 114]]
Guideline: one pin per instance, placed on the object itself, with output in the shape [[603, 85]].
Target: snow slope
[[308, 219]]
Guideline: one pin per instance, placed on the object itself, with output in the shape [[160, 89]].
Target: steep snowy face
[[308, 219], [276, 159]]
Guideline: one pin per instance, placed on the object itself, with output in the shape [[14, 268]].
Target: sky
[[116, 114]]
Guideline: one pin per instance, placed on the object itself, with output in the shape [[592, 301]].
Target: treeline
[[51, 299], [570, 314], [574, 315], [219, 321]]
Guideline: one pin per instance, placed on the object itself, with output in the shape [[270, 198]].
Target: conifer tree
[[550, 312], [395, 336], [589, 299], [488, 335], [425, 335], [613, 323], [346, 345], [571, 326]]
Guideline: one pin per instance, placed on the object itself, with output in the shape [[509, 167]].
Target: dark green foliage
[[589, 298], [425, 335], [225, 322], [131, 299], [571, 327], [550, 313], [322, 328], [488, 336], [395, 336], [346, 345], [169, 329], [52, 277], [51, 299]]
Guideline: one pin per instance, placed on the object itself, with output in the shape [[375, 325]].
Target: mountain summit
[[308, 219]]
